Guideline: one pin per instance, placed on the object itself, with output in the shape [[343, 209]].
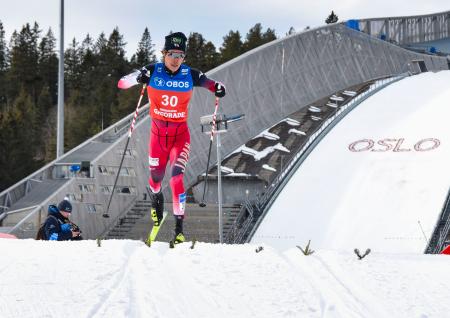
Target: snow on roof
[[349, 93], [314, 109], [258, 155], [226, 169], [337, 98], [267, 167], [333, 105], [291, 122], [268, 135], [295, 131], [238, 174]]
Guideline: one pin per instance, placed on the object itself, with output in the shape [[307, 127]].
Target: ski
[[172, 243], [128, 80], [155, 230]]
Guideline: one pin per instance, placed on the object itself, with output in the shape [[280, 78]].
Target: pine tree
[[255, 37], [24, 58], [145, 53], [48, 64], [87, 46], [3, 55], [72, 66], [44, 105], [88, 63], [332, 18], [116, 44], [101, 44], [211, 58], [3, 68], [269, 35], [194, 50], [49, 135], [291, 31], [231, 47], [200, 54], [18, 138]]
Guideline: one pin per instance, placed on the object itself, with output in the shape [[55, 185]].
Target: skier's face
[[173, 59]]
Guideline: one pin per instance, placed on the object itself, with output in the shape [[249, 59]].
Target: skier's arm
[[202, 80]]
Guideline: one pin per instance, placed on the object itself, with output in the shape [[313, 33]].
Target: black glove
[[219, 89], [144, 76]]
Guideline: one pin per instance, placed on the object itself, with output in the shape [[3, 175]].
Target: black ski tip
[[202, 204], [106, 215], [172, 244]]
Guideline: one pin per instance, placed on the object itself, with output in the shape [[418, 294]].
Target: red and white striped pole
[[130, 131]]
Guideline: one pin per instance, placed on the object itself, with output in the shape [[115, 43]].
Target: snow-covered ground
[[378, 179], [128, 279]]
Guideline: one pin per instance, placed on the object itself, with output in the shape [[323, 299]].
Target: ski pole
[[203, 204], [130, 131]]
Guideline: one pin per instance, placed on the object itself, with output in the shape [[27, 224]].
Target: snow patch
[[297, 132], [333, 105], [337, 98], [267, 167], [258, 155], [314, 109], [268, 135], [291, 122], [226, 169], [238, 174], [349, 93]]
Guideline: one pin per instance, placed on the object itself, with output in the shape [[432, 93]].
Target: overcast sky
[[213, 19]]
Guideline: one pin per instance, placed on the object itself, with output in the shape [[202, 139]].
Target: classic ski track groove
[[119, 280]]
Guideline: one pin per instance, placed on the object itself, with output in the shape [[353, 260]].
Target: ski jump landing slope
[[377, 180]]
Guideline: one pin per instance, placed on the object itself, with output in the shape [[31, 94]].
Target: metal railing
[[17, 191], [117, 219], [408, 29], [442, 230], [242, 224], [22, 228]]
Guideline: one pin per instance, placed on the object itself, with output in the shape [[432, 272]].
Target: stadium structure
[[293, 92]]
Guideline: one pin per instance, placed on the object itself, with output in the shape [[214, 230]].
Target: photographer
[[57, 226]]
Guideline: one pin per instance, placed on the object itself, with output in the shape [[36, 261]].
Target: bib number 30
[[169, 100]]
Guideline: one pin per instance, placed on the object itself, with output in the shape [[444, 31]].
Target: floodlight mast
[[60, 115]]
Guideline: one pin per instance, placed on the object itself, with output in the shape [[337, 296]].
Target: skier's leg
[[179, 156], [157, 165]]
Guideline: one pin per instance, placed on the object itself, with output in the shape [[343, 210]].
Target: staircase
[[125, 224], [200, 223]]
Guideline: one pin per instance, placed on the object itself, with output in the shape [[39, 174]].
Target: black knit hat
[[65, 206], [175, 41]]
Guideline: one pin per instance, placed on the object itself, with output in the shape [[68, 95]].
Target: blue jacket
[[55, 227]]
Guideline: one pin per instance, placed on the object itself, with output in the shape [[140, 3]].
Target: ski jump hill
[[294, 91]]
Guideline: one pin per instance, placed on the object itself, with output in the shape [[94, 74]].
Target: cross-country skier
[[169, 89]]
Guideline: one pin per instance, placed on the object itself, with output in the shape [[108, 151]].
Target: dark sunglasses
[[176, 55]]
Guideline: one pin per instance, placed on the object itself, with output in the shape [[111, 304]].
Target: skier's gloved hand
[[65, 228], [219, 89], [144, 76]]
